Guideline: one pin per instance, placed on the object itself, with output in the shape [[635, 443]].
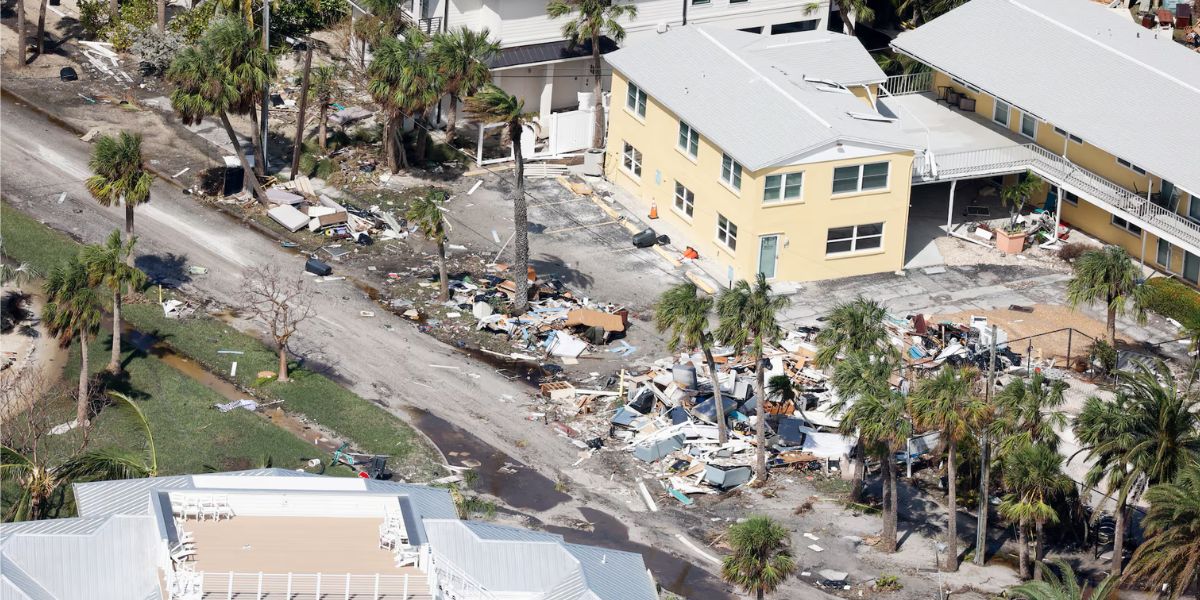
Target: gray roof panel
[[1081, 66]]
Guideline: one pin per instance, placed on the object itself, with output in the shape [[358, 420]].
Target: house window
[[1126, 225], [965, 84], [1029, 126], [1194, 208], [701, 2], [783, 187], [1071, 198], [854, 238], [794, 26], [737, 1], [726, 232], [635, 100], [1191, 267], [689, 139], [631, 159], [731, 172], [1073, 137], [1130, 166], [1000, 112], [1163, 256], [860, 178], [685, 200]]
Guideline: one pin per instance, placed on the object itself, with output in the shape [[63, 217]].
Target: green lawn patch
[[27, 240], [1174, 299]]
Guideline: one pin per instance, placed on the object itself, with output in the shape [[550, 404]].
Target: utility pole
[[985, 458], [299, 144], [266, 94]]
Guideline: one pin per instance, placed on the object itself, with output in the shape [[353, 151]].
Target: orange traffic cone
[[654, 211]]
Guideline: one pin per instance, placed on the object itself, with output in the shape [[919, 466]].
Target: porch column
[[1057, 214], [1143, 257], [950, 211], [547, 99]]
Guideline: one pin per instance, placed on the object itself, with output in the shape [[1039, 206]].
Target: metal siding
[[1071, 62]]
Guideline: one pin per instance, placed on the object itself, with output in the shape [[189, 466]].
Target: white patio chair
[[221, 508], [208, 508], [191, 506]]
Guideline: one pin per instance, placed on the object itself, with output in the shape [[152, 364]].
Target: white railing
[[1062, 172], [909, 83], [455, 581], [312, 586]]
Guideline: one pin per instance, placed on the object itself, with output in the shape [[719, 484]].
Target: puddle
[[150, 344], [530, 490], [524, 489]]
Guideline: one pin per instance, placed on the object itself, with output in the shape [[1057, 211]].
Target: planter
[[1010, 243]]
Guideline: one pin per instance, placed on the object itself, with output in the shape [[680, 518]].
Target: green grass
[[367, 426], [1174, 299]]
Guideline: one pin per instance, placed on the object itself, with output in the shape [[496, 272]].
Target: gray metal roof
[[512, 560], [1080, 66], [16, 584], [752, 96]]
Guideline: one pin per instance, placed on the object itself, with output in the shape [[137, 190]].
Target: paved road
[[41, 161]]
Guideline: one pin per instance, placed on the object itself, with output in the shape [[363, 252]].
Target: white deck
[[950, 130]]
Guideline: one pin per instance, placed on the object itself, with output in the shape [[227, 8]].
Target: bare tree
[[281, 302]]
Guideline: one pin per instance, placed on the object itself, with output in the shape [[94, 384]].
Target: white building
[[538, 65], [272, 533]]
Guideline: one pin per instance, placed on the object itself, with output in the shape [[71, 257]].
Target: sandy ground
[[1044, 318], [31, 347]]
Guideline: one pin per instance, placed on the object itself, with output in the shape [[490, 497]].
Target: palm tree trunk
[[860, 474], [985, 458], [760, 424], [452, 119], [1112, 327], [114, 11], [322, 127], [445, 285], [597, 92], [162, 16], [421, 139], [256, 142], [41, 30], [847, 20], [722, 434], [1118, 539], [81, 403], [1039, 550], [22, 43], [1022, 551], [247, 175], [520, 224], [283, 370], [129, 225], [760, 594], [114, 362], [389, 141], [952, 518], [890, 504]]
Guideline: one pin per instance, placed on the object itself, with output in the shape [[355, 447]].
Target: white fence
[[308, 586], [909, 83]]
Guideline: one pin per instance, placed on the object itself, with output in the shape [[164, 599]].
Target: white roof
[[753, 96], [1081, 67]]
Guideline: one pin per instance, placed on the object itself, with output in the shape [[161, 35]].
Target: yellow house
[[769, 152], [1108, 115]]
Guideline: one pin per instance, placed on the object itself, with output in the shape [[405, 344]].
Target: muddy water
[[525, 488], [150, 345]]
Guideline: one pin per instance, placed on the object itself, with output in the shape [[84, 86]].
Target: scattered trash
[[243, 403]]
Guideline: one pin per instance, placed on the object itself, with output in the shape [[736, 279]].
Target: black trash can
[[317, 267], [645, 238]]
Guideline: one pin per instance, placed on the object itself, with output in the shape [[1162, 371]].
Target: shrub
[[1173, 299], [888, 583], [1103, 352], [1072, 250]]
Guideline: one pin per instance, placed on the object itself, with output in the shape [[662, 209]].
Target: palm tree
[[1033, 475], [854, 326], [18, 275], [426, 213], [761, 559], [1171, 553], [22, 41], [593, 19], [1029, 412], [120, 174], [1063, 587], [72, 312], [946, 403], [462, 56], [205, 87], [685, 313], [884, 428], [853, 12], [858, 375], [405, 83], [1018, 194], [251, 68], [321, 90], [748, 315], [1108, 275], [1146, 435], [494, 105], [38, 480], [108, 265], [41, 29]]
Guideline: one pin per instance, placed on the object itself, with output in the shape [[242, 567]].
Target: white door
[[768, 255]]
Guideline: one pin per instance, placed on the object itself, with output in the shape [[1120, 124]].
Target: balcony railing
[[1061, 172], [909, 83], [286, 586]]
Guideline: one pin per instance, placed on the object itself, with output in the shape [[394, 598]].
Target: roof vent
[[604, 559]]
